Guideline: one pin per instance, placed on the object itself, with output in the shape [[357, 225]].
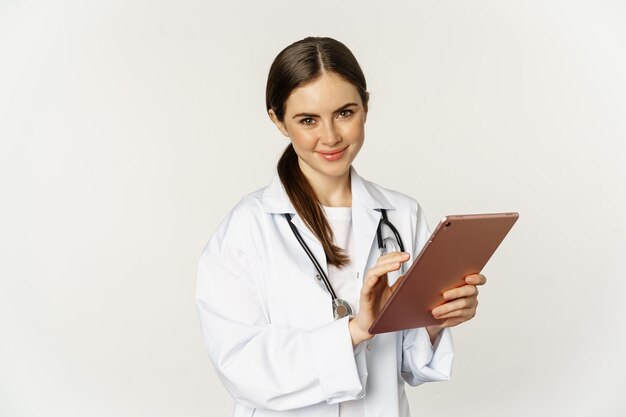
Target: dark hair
[[298, 64]]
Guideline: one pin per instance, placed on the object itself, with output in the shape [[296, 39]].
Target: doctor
[[276, 341]]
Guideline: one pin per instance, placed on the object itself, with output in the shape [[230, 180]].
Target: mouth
[[333, 155]]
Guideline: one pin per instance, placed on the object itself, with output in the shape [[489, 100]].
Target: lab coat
[[268, 325]]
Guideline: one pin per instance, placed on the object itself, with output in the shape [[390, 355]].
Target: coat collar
[[364, 195], [367, 200]]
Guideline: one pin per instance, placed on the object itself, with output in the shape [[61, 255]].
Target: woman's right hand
[[374, 294]]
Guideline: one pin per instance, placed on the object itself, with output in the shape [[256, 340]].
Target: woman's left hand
[[460, 306]]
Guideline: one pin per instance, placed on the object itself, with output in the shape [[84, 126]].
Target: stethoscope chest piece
[[341, 308]]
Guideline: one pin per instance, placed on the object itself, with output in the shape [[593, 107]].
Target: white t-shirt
[[345, 281]]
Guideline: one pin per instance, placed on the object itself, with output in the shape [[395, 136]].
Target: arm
[[423, 361], [262, 365]]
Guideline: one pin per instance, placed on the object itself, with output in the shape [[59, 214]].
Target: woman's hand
[[374, 294], [460, 306]]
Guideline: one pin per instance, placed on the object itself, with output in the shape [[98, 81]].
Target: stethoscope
[[341, 308]]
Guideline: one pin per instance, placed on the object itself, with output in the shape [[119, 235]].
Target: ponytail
[[308, 206]]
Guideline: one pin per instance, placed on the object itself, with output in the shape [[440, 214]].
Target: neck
[[331, 191]]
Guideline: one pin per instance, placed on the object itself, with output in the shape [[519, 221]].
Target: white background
[[129, 128]]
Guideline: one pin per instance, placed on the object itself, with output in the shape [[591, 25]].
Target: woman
[[279, 342]]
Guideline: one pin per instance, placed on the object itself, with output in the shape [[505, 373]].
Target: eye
[[307, 121], [345, 113]]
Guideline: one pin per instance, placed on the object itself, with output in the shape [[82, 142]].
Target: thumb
[[397, 283]]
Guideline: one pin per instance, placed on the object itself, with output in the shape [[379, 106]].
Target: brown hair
[[298, 64]]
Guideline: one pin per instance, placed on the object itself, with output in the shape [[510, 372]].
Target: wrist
[[434, 332], [357, 334]]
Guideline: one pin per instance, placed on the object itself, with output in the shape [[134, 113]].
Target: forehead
[[325, 94]]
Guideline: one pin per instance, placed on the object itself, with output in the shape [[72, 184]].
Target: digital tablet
[[460, 246]]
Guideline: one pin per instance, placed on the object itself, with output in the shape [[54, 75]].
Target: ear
[[366, 106], [280, 125]]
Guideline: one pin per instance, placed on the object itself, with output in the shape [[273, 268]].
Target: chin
[[337, 171]]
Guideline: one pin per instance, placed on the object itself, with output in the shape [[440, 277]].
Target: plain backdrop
[[129, 128]]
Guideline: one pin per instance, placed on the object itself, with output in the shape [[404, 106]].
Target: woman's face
[[325, 121]]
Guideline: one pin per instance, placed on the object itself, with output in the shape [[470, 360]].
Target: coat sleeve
[[421, 361], [262, 365]]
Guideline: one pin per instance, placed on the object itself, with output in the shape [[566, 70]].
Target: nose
[[330, 135]]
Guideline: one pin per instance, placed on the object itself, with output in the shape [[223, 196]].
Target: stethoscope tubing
[[322, 274], [320, 271], [379, 234]]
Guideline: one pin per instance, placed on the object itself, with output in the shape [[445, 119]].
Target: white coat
[[268, 325]]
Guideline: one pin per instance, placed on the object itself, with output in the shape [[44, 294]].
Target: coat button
[[369, 347]]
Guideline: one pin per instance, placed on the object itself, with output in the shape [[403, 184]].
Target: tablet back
[[459, 246]]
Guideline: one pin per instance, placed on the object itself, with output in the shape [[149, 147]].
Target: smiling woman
[[334, 132], [290, 347]]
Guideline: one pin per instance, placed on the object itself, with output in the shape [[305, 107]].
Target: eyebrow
[[345, 106]]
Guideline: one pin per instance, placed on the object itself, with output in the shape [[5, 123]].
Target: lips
[[333, 155], [333, 152]]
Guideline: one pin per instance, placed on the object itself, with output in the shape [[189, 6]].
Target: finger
[[397, 283], [377, 277], [450, 306], [373, 292], [454, 321], [464, 291], [382, 269], [465, 314], [476, 279], [368, 284], [393, 257]]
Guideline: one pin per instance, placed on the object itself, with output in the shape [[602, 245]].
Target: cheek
[[303, 139], [354, 131]]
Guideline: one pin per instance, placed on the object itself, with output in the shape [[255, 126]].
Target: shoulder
[[245, 214], [250, 204], [238, 232], [255, 211]]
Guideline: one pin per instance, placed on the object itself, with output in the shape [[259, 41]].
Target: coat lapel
[[364, 226], [366, 204]]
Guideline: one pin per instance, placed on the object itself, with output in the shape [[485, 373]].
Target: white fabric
[[268, 325], [345, 281]]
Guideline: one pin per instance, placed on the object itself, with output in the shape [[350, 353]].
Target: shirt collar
[[364, 194]]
